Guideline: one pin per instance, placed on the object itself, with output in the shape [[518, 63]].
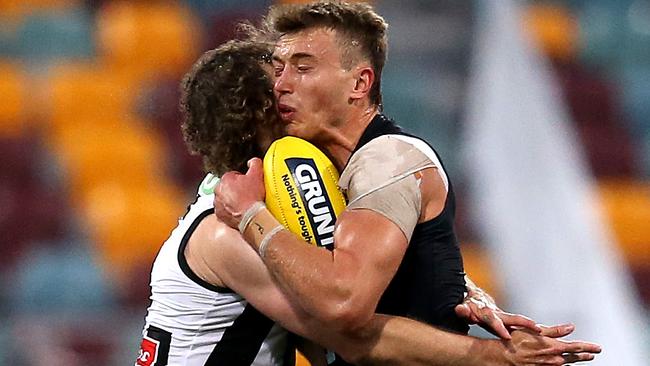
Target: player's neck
[[345, 137]]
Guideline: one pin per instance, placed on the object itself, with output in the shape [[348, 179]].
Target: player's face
[[275, 128], [311, 86]]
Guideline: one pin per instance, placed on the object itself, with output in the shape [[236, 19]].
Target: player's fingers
[[557, 331], [227, 179], [515, 320], [469, 311], [577, 357], [580, 347], [462, 311], [491, 321], [255, 167], [500, 330]]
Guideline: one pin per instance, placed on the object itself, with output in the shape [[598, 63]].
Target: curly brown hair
[[362, 32], [228, 106]]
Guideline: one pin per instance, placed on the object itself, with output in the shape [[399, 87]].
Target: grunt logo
[[316, 201]]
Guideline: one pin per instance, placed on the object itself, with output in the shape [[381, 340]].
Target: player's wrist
[[249, 214], [495, 352], [260, 228], [484, 352]]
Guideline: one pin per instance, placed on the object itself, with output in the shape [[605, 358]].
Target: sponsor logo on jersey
[[154, 349], [318, 207], [148, 352]]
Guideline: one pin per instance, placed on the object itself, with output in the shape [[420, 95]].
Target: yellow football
[[302, 191]]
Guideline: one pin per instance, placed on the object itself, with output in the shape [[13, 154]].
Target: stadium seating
[[147, 39], [130, 223], [46, 37], [20, 8], [555, 29], [602, 26], [13, 88], [123, 152], [78, 92], [478, 266], [60, 277], [159, 104], [33, 202], [626, 204]]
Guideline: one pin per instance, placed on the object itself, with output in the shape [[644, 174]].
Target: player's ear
[[364, 78]]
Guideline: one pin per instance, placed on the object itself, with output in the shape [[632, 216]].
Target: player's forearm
[[402, 341], [311, 279], [389, 340], [386, 340], [309, 276]]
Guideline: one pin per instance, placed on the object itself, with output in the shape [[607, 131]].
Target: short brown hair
[[357, 23], [227, 101]]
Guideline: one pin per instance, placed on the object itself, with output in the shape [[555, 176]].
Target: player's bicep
[[370, 247], [244, 272], [237, 266]]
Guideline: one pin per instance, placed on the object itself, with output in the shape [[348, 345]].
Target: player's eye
[[277, 68]]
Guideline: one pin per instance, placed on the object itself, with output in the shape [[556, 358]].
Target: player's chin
[[300, 131]]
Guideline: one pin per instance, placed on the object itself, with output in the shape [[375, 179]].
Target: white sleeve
[[380, 177]]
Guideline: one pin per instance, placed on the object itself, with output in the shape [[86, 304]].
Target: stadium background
[[94, 173]]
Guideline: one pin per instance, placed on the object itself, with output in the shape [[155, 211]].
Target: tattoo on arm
[[260, 228]]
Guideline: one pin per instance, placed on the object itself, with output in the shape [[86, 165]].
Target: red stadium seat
[[32, 207]]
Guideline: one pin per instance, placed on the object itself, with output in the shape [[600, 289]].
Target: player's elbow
[[350, 316], [360, 346], [344, 306]]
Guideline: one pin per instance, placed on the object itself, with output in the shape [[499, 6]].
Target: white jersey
[[191, 322]]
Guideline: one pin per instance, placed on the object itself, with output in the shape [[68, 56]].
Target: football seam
[[276, 192]]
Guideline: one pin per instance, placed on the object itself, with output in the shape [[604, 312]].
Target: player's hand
[[528, 348], [237, 192], [478, 307]]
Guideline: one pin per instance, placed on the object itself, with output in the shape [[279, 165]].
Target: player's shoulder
[[204, 201], [387, 156], [206, 188], [392, 146]]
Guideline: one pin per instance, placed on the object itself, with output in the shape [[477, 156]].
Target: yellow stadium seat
[[19, 8], [478, 268], [11, 9], [123, 152], [129, 223], [13, 88], [626, 205], [148, 38], [554, 29], [50, 4], [87, 91]]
